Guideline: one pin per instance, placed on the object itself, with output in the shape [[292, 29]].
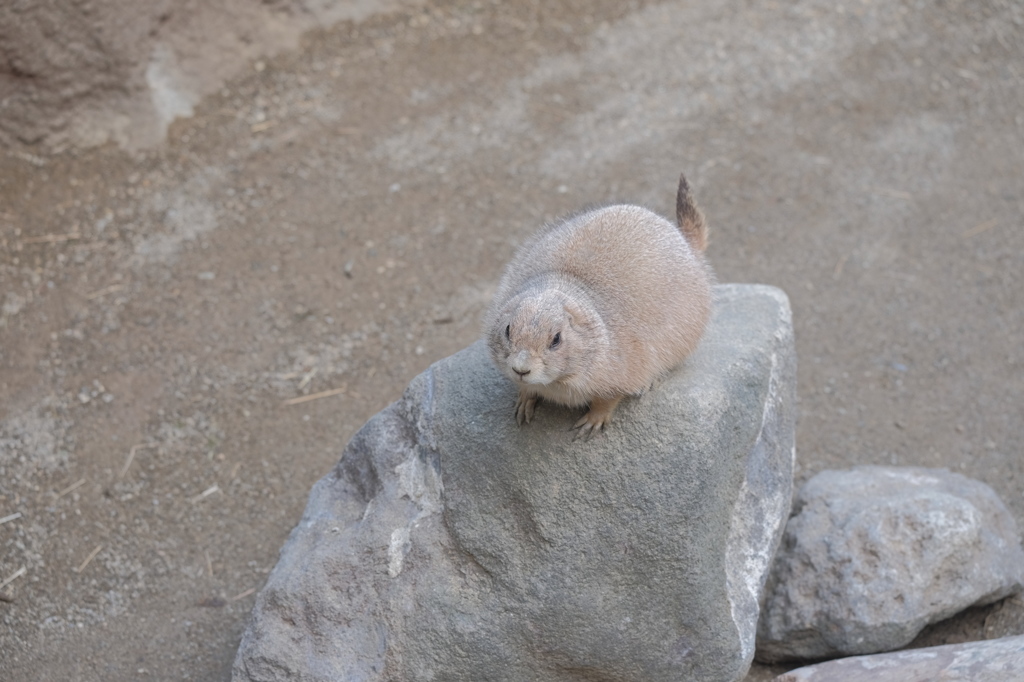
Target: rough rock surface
[[874, 554], [997, 660], [448, 544]]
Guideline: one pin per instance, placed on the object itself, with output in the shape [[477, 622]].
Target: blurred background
[[232, 231]]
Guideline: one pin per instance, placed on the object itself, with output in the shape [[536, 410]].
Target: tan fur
[[625, 294]]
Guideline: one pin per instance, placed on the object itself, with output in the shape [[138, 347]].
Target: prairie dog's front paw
[[525, 406], [597, 417]]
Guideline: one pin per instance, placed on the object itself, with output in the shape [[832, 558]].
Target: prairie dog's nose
[[520, 363]]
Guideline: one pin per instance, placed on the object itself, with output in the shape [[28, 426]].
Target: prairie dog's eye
[[557, 340], [508, 332]]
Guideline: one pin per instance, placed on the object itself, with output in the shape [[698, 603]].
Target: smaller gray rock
[[872, 555], [996, 660]]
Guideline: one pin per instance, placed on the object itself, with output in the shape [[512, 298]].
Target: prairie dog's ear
[[575, 313], [581, 317], [691, 220]]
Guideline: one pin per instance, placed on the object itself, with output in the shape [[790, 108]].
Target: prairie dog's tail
[[691, 220]]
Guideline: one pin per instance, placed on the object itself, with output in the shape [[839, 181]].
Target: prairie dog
[[595, 307]]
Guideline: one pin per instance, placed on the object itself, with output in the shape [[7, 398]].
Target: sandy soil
[[337, 218]]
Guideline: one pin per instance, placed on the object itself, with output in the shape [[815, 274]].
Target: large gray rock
[[997, 660], [448, 544], [873, 555]]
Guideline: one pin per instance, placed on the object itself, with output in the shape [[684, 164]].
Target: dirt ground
[[336, 219]]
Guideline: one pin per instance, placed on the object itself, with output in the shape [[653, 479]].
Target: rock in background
[[873, 555], [85, 73], [451, 545], [998, 660]]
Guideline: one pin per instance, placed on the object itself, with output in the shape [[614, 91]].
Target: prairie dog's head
[[542, 338]]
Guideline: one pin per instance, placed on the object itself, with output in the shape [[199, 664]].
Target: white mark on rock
[[749, 547], [877, 662], [420, 483], [912, 478], [401, 543]]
